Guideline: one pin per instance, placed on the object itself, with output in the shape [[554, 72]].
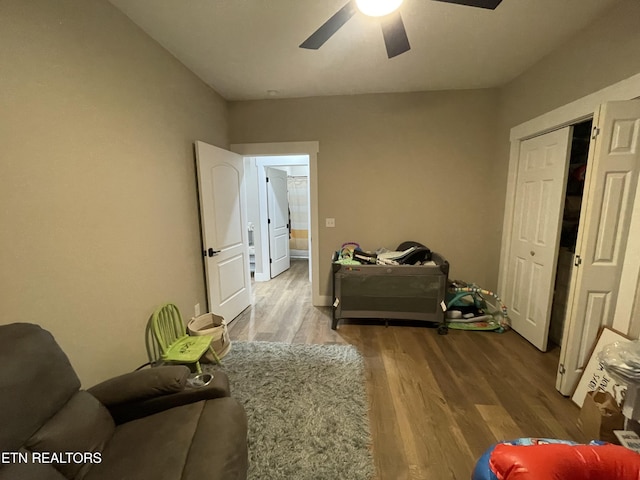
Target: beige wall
[[604, 53], [392, 167], [449, 173], [98, 205]]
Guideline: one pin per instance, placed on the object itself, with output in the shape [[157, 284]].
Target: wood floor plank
[[389, 454], [436, 403], [499, 422], [477, 434], [427, 403], [410, 422]]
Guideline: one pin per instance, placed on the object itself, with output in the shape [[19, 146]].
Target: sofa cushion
[[203, 440], [82, 426], [29, 471], [154, 447], [38, 379], [219, 448]]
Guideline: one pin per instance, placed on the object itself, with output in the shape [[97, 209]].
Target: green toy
[[470, 295]]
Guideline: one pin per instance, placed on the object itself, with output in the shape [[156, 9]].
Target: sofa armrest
[[145, 392], [141, 384]]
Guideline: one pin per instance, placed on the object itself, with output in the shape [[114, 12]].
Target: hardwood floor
[[436, 402]]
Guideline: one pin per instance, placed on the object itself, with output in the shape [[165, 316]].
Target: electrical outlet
[[330, 222], [196, 309]]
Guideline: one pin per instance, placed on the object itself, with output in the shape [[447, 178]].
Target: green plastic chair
[[175, 345]]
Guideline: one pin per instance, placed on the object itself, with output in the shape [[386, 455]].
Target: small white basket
[[214, 325]]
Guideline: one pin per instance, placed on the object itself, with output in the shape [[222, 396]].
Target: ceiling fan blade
[[331, 26], [489, 4], [395, 36]]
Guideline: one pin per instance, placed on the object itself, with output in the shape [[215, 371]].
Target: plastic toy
[[345, 255], [551, 459], [461, 293]]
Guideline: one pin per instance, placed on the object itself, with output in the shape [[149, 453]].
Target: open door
[[610, 189], [533, 254], [224, 230], [278, 221]]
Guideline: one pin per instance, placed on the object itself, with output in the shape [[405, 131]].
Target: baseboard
[[262, 277], [322, 301]]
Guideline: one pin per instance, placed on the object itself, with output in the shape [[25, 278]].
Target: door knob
[[211, 252]]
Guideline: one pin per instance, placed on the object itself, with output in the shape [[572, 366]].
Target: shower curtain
[[299, 212]]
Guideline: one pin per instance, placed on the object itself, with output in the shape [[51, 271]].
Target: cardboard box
[[599, 416]]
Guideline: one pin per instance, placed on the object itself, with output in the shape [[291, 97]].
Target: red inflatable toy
[[557, 461]]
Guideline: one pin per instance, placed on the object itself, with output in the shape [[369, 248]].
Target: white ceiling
[[245, 48]]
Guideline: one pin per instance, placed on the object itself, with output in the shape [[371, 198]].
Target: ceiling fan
[[393, 31]]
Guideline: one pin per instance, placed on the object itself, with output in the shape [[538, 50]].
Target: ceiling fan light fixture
[[378, 8]]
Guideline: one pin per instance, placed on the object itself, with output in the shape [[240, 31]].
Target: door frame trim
[[575, 112], [310, 149]]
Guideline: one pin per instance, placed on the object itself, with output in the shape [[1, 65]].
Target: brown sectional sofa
[[147, 424]]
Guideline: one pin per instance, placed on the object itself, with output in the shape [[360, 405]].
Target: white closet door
[[533, 254], [610, 188]]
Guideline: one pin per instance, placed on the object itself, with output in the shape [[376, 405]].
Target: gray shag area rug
[[307, 410]]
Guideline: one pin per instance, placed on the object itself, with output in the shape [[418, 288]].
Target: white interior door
[[533, 254], [224, 229], [278, 221], [610, 189]]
